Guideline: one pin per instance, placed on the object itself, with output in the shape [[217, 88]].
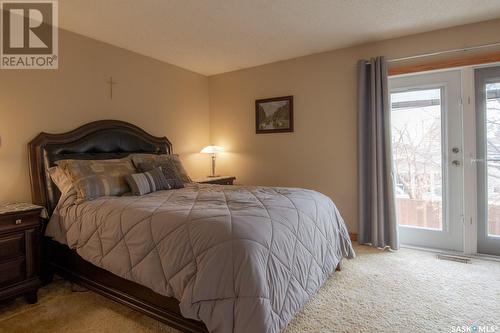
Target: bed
[[201, 258]]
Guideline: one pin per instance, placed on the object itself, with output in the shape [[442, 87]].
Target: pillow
[[96, 178], [142, 158], [173, 159], [147, 182], [61, 179], [176, 161], [169, 173]]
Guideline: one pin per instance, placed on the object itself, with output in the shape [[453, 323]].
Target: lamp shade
[[212, 149]]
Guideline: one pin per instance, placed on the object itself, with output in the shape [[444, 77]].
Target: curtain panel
[[377, 206]]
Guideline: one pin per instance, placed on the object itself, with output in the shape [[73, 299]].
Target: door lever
[[455, 162]]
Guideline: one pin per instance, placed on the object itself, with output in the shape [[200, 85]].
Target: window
[[417, 153]]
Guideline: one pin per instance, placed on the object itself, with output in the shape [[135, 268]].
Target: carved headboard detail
[[103, 139]]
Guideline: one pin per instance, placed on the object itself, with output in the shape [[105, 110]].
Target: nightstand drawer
[[14, 221], [20, 229], [12, 271], [11, 246]]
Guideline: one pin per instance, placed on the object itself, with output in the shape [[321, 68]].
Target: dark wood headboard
[[103, 139]]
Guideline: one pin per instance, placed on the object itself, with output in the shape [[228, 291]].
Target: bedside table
[[20, 229], [221, 180]]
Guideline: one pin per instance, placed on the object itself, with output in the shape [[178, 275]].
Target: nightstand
[[221, 180], [20, 229]]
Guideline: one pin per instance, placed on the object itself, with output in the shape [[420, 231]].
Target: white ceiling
[[216, 36]]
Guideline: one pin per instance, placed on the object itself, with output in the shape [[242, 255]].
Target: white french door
[[427, 136], [487, 84]]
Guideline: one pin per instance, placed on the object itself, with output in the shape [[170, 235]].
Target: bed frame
[[102, 139]]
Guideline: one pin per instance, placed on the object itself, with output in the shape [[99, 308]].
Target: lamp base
[[213, 176]]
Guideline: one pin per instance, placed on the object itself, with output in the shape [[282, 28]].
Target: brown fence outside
[[494, 219], [429, 214], [419, 213]]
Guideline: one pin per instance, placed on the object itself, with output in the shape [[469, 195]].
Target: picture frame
[[274, 115]]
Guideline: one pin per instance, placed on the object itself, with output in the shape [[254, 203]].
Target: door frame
[[469, 169]]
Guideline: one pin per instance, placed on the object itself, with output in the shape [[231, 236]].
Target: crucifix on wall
[[111, 83]]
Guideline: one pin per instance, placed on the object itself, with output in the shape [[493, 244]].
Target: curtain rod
[[465, 49], [423, 55]]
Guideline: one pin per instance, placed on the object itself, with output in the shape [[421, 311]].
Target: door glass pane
[[493, 156], [416, 144]]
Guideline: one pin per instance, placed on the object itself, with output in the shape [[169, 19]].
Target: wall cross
[[111, 83]]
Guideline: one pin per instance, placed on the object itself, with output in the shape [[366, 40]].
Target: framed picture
[[274, 115]]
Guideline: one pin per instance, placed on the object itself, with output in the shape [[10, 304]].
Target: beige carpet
[[406, 291]]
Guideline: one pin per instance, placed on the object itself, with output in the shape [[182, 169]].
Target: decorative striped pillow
[[147, 182], [168, 171]]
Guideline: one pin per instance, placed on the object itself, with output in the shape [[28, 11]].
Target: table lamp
[[212, 150]]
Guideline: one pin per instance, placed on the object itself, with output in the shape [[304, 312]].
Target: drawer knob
[[19, 221]]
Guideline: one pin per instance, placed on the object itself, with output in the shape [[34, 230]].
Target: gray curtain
[[377, 207]]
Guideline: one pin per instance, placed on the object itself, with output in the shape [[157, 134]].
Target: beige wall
[[162, 99], [321, 153]]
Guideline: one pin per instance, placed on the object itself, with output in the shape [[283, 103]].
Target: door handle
[[455, 162]]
